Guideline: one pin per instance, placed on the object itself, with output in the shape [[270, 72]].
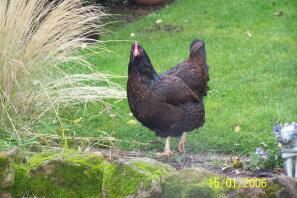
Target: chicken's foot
[[167, 152], [182, 142]]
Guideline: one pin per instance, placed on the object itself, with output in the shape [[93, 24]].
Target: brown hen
[[171, 103]]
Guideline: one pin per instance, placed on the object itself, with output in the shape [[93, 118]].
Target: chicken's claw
[[181, 147], [181, 144], [167, 154]]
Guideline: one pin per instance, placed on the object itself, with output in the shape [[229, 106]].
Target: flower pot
[[149, 2]]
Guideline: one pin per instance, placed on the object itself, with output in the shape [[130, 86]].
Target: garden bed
[[218, 163], [63, 173], [129, 12]]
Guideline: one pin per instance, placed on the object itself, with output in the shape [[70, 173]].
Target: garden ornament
[[287, 136]]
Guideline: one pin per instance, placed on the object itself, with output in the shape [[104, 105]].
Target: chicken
[[171, 103]]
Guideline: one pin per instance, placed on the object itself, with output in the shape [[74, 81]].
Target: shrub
[[35, 37]]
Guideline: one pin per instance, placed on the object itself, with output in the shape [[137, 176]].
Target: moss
[[118, 181], [190, 183], [4, 163], [21, 179], [199, 190], [72, 174], [3, 159], [156, 170], [5, 170], [56, 174], [124, 178], [271, 190]]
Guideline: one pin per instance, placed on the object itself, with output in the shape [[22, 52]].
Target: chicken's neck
[[144, 68]]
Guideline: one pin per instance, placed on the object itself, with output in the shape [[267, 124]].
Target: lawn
[[251, 52]]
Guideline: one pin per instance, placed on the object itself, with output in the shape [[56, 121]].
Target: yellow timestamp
[[236, 183]]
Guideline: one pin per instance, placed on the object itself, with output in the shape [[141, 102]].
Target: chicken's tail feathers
[[197, 50], [196, 45]]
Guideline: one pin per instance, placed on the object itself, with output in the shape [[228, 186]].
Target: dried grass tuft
[[35, 37]]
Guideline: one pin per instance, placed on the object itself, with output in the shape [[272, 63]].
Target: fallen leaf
[[237, 129], [76, 121], [236, 172], [264, 144], [132, 34], [159, 21], [226, 168], [132, 122], [279, 13], [249, 34], [236, 162]]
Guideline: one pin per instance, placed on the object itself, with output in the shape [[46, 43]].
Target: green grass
[[253, 81]]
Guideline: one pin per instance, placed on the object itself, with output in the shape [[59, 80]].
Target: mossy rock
[[7, 173], [66, 173], [192, 183], [277, 187], [138, 177], [63, 173], [199, 183], [4, 169]]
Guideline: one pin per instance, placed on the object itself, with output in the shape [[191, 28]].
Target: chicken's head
[[136, 51]]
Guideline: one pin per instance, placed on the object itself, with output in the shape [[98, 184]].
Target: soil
[[169, 28], [131, 11], [218, 163]]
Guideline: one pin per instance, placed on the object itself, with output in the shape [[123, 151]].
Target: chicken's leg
[[182, 142], [167, 152]]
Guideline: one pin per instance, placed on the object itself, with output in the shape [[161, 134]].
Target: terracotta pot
[[149, 2]]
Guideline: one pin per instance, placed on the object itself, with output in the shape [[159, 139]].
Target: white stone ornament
[[287, 136]]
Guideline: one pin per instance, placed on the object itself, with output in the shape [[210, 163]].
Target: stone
[[200, 183], [5, 195], [63, 173], [135, 177], [277, 187], [7, 172], [191, 182], [287, 136], [67, 173], [6, 169]]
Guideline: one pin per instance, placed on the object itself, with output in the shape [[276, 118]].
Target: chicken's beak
[[136, 51]]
